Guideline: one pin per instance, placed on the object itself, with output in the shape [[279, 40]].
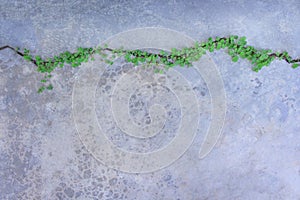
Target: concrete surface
[[256, 157]]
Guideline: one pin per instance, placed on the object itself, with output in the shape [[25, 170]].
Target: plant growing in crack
[[237, 48]]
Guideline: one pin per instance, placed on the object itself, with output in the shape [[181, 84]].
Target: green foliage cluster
[[236, 47]]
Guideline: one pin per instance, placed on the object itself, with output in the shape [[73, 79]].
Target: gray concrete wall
[[256, 157]]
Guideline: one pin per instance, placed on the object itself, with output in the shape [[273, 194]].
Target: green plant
[[237, 48]]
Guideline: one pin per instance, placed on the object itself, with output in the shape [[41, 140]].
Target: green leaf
[[27, 57], [289, 58], [174, 51], [49, 87], [230, 52], [242, 54], [162, 53], [41, 89], [295, 65], [235, 59], [38, 58], [128, 57], [26, 51], [153, 58], [256, 69], [242, 41], [260, 65]]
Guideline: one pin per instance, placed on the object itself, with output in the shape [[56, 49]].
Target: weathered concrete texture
[[257, 157]]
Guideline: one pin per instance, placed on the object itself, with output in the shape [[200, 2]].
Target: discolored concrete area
[[42, 155]]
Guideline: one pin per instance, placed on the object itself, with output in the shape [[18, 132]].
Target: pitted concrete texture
[[257, 156]]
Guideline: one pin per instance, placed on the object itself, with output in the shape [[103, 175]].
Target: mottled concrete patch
[[257, 157]]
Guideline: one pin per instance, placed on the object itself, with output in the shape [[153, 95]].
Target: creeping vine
[[236, 47]]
